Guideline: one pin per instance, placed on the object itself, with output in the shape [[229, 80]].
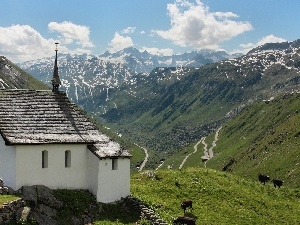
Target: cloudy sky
[[29, 29]]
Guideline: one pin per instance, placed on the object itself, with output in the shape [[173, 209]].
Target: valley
[[168, 110], [201, 133]]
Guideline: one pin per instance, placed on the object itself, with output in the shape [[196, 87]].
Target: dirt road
[[145, 159], [195, 150]]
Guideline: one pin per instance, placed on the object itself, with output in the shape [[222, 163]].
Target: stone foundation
[[42, 213], [8, 211]]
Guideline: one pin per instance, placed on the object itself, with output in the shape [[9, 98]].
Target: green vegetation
[[218, 197], [166, 114], [263, 138], [7, 198], [14, 77], [79, 203], [176, 159], [117, 214], [76, 203]]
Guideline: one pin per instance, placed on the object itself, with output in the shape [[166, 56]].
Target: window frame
[[44, 159], [114, 163], [68, 159]]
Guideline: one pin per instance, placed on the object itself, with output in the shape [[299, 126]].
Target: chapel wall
[[29, 169], [8, 164], [113, 184]]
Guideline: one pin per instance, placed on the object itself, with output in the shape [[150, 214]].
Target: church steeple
[[55, 79]]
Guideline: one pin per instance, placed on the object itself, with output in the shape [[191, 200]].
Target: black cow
[[277, 182], [185, 220], [263, 178], [186, 204]]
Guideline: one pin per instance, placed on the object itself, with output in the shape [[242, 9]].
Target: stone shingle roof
[[44, 117]]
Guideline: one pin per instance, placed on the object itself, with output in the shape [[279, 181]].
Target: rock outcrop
[[41, 205]]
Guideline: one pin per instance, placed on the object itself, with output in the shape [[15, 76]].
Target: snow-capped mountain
[[179, 95], [144, 62], [164, 116], [83, 76]]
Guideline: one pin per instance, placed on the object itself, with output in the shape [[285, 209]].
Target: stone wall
[[42, 213], [8, 210], [145, 210]]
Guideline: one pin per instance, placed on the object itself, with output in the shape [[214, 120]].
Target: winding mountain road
[[195, 150], [208, 153], [205, 151], [145, 159], [214, 143]]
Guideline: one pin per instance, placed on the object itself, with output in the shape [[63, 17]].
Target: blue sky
[[29, 29]]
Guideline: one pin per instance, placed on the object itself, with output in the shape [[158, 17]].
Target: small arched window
[[44, 159], [67, 158], [114, 165]]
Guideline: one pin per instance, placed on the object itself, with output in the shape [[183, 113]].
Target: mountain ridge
[[12, 77], [189, 108], [170, 107]]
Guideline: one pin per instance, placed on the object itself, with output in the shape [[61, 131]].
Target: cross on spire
[[55, 79]]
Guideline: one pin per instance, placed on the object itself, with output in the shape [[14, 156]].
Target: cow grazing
[[277, 182], [185, 220], [263, 178], [186, 204]]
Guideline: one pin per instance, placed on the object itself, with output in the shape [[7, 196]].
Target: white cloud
[[80, 51], [158, 51], [71, 32], [21, 43], [267, 39], [128, 30], [225, 15], [270, 39], [119, 42], [193, 25]]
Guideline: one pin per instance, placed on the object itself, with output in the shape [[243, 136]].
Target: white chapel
[[47, 140]]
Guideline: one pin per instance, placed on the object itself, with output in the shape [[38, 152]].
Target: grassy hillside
[[13, 77], [165, 115], [7, 198], [218, 197], [263, 138]]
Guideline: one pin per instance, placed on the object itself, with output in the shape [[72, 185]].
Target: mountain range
[[254, 98], [166, 103], [84, 76], [165, 112]]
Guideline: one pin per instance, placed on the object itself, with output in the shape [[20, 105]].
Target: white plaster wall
[[92, 172], [113, 184], [8, 164], [29, 169]]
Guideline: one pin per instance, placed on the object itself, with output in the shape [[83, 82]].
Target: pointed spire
[[55, 80]]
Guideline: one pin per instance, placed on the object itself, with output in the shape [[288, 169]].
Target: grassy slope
[[264, 138], [25, 81], [194, 160], [218, 197], [7, 198]]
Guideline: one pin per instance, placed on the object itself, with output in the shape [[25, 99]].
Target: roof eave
[[51, 143]]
